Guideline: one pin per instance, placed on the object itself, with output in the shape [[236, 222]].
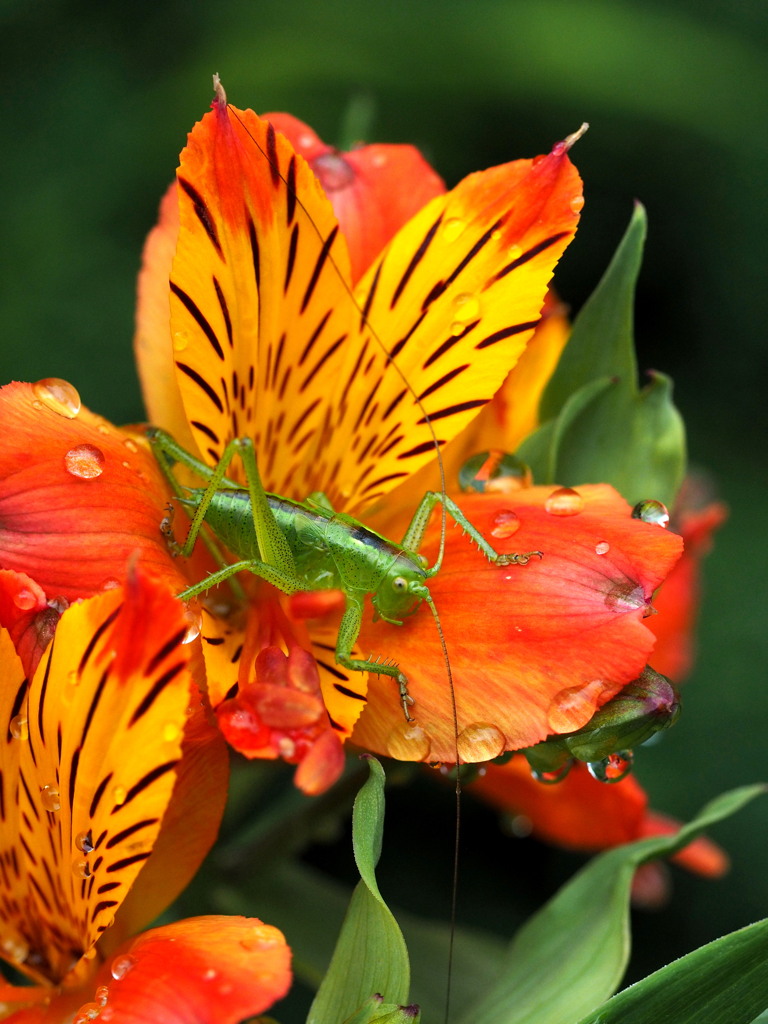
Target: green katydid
[[297, 546]]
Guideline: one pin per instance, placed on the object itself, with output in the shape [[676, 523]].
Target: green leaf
[[598, 426], [571, 955], [370, 955], [724, 982]]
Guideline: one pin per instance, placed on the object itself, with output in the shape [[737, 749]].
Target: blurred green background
[[97, 99]]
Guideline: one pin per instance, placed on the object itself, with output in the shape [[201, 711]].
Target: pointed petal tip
[[570, 140], [220, 97]]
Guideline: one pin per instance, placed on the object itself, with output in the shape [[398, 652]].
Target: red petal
[[221, 969], [534, 649], [374, 190], [27, 616]]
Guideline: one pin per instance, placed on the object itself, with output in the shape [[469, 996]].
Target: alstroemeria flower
[[580, 813], [112, 791], [265, 339]]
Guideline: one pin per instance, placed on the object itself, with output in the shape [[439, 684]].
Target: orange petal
[[90, 750], [153, 344], [374, 189], [72, 532], [535, 649], [222, 969], [27, 616]]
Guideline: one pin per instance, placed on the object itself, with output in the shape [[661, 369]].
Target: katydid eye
[[400, 584]]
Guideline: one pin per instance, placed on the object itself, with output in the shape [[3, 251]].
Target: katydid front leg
[[418, 525], [349, 630]]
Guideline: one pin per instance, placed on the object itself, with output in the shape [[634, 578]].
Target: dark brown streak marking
[[347, 692], [451, 410], [394, 404], [356, 367], [167, 648], [254, 240], [274, 163], [392, 444], [320, 262], [147, 780], [448, 344], [126, 862], [386, 479], [417, 257], [108, 887], [94, 705], [284, 383], [527, 256], [97, 798], [43, 691], [203, 214], [202, 383], [224, 311], [398, 347], [18, 703], [199, 317], [370, 296], [73, 775], [119, 837], [2, 797], [479, 245], [29, 797], [291, 258], [101, 907], [98, 633], [205, 429], [278, 359], [333, 670], [290, 204], [320, 363], [442, 381], [365, 405], [507, 332], [313, 338], [236, 654], [214, 641], [420, 449], [154, 693]]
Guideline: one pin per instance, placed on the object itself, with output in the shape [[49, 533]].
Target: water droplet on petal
[[520, 826], [564, 502], [613, 768], [15, 948], [58, 395], [505, 523], [86, 1013], [81, 868], [466, 308], [209, 975], [651, 511], [577, 204], [480, 742], [119, 793], [121, 965], [101, 995], [334, 171], [85, 461], [514, 252], [24, 599], [108, 1013], [408, 742], [130, 444], [625, 596], [572, 707], [180, 340], [553, 777], [84, 841], [110, 583], [19, 727], [50, 798], [453, 227], [194, 617], [171, 732], [602, 548]]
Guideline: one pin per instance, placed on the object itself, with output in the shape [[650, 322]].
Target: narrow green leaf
[[602, 340], [571, 955], [724, 982], [370, 955]]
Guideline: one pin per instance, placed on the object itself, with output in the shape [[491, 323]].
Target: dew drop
[[108, 1013], [110, 583], [573, 707], [564, 502], [209, 975], [87, 1012], [58, 395], [84, 841], [466, 308], [613, 768], [520, 826], [101, 995], [81, 868], [453, 227], [651, 511], [24, 599], [194, 617], [130, 445], [480, 742], [334, 171], [408, 742], [180, 341], [577, 204], [50, 798], [514, 252], [505, 523], [15, 949], [85, 461], [171, 732], [553, 777], [119, 793], [602, 548], [19, 727], [121, 965]]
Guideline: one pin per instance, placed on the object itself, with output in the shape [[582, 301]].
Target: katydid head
[[402, 589]]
